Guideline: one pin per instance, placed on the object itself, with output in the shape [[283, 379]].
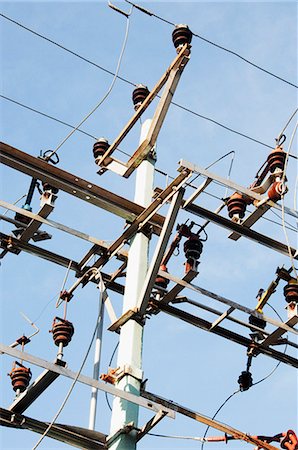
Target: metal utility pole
[[131, 336]]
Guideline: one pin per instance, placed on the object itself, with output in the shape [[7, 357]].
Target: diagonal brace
[[159, 251]]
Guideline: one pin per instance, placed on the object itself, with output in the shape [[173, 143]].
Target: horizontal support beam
[[230, 184], [226, 301], [7, 241], [26, 398], [71, 435], [74, 185], [153, 406], [251, 219], [36, 218], [242, 230], [227, 334], [208, 421]]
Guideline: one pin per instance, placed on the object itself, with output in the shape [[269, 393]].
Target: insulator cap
[[63, 331], [245, 380], [276, 159], [236, 205], [276, 190], [181, 35], [20, 377], [140, 93], [193, 247], [291, 291], [257, 322], [100, 147]]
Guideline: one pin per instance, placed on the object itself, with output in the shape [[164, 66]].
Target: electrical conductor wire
[[150, 13], [213, 417], [75, 379], [122, 79], [106, 94]]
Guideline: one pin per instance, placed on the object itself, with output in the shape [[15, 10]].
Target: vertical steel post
[[131, 335], [97, 354]]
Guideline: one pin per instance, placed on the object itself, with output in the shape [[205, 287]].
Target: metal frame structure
[[141, 219]]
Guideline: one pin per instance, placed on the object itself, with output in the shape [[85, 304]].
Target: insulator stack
[[276, 190], [161, 281], [139, 94], [276, 159], [181, 35], [193, 248], [245, 380], [236, 206], [62, 330], [100, 147], [291, 291], [257, 322], [20, 377]]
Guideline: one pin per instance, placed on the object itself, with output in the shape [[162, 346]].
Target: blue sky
[[182, 363]]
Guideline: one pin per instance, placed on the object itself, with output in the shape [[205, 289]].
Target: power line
[[65, 49], [45, 115], [184, 108], [208, 41], [74, 381], [105, 96]]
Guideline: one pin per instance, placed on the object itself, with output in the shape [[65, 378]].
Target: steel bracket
[[125, 430]]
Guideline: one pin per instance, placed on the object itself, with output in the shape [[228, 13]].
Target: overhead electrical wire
[[254, 384], [215, 414], [105, 96], [208, 41], [246, 136], [76, 377]]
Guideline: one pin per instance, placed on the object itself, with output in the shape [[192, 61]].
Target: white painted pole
[[97, 354], [131, 335]]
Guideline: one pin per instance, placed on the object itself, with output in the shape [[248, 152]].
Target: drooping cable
[[106, 94], [208, 41], [278, 364], [213, 417], [76, 377]]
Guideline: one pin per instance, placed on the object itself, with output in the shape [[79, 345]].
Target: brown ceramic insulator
[[139, 94], [100, 147], [276, 190], [181, 35], [291, 291], [63, 331], [276, 159], [20, 378], [236, 205], [193, 247], [161, 281]]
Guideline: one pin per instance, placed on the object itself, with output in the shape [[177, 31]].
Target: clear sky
[[182, 363]]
